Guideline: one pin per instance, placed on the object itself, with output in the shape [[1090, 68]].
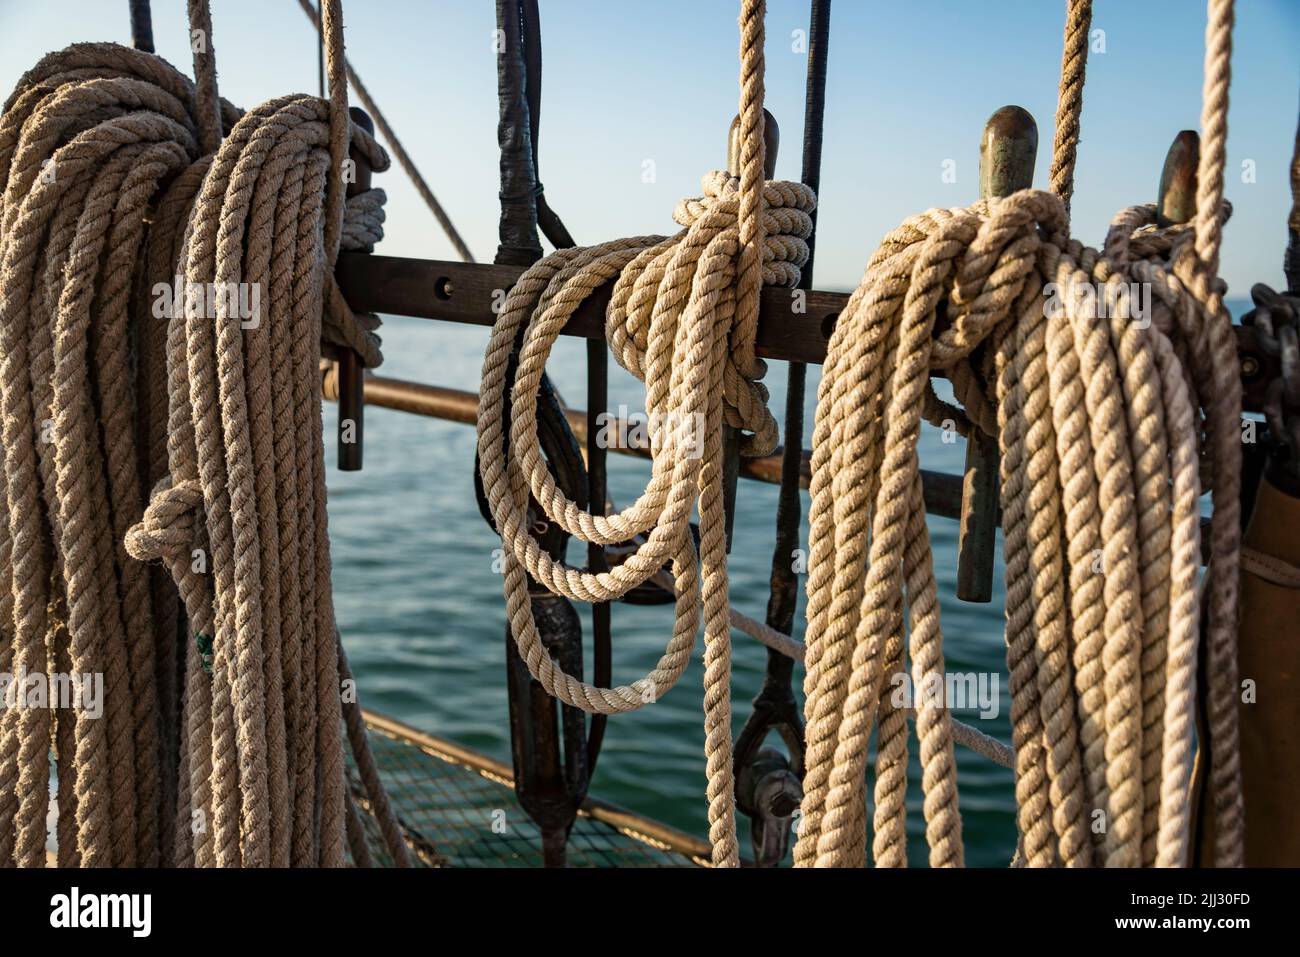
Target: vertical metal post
[[597, 495], [320, 49], [142, 26], [597, 377], [550, 758], [783, 598], [1007, 153], [352, 401]]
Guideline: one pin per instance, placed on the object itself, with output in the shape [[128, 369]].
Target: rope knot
[[704, 262], [363, 221], [787, 220], [167, 529]]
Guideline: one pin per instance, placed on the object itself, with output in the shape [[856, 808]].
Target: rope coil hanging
[[1096, 421], [226, 747], [682, 318], [1099, 427]]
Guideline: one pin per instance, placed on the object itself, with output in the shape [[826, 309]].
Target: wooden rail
[[469, 293], [793, 324]]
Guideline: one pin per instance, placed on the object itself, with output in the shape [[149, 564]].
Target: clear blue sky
[[911, 83]]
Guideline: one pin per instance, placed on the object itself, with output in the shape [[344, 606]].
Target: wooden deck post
[[1007, 152], [1177, 200]]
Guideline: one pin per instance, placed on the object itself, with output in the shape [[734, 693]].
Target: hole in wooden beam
[[443, 288]]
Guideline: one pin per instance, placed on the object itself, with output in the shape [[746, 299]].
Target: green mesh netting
[[457, 816]]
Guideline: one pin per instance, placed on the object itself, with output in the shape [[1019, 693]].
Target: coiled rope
[[682, 318], [1097, 425], [118, 184], [1098, 422]]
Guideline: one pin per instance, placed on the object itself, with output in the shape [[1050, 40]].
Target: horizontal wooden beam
[[468, 293], [793, 325]]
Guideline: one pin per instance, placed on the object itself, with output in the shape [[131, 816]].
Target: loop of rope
[[682, 318], [1099, 452], [1097, 422], [121, 201], [672, 296]]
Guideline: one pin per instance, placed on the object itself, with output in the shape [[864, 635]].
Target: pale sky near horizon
[[911, 83]]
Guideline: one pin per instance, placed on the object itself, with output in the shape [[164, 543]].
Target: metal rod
[[352, 404], [941, 491], [517, 230], [142, 26], [550, 761], [442, 749], [352, 411], [557, 234], [320, 49], [783, 597], [597, 494], [464, 293], [551, 225], [1007, 152]]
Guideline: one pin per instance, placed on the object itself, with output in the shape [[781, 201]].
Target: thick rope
[[1069, 106], [1197, 268], [109, 200], [1094, 422], [1097, 431], [682, 318], [87, 138]]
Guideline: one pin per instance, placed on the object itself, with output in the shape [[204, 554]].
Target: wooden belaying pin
[[1007, 152], [351, 376], [730, 434], [1177, 198]]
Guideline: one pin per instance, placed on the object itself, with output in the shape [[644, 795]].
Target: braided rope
[[682, 318], [1069, 106], [1197, 268], [116, 179], [1087, 453]]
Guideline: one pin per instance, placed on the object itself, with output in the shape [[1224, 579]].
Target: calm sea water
[[423, 617]]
